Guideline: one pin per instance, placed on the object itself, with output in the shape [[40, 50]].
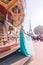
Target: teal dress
[[26, 45]]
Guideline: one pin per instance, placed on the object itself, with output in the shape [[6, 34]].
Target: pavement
[[16, 58], [38, 58]]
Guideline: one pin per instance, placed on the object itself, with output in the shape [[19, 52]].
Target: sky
[[34, 12]]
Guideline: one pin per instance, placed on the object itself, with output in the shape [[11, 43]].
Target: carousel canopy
[[14, 8]]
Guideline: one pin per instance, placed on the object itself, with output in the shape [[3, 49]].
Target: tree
[[38, 30]]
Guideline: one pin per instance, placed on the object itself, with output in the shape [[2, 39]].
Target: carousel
[[12, 14]]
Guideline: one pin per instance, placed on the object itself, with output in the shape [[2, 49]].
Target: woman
[[26, 46]]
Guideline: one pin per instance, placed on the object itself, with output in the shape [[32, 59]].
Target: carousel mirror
[[16, 9]]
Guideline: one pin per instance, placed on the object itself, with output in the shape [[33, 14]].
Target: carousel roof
[[15, 8]]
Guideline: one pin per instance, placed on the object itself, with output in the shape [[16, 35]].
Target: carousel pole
[[6, 26]]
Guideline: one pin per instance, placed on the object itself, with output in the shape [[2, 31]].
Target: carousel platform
[[7, 50]]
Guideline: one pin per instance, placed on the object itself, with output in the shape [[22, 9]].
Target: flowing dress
[[26, 45]]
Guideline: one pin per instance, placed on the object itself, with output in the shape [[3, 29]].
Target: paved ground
[[15, 59], [18, 59], [38, 58]]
